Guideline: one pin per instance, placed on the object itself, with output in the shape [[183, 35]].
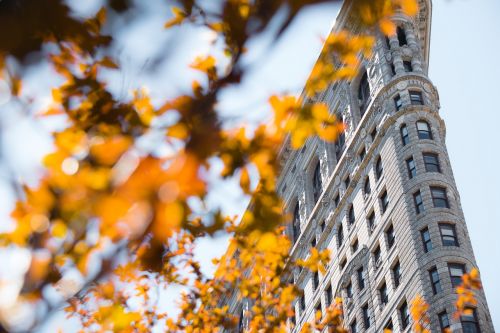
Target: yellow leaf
[[178, 18]]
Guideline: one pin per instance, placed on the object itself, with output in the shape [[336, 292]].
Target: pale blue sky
[[464, 48]]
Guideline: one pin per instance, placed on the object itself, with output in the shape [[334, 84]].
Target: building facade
[[382, 198]]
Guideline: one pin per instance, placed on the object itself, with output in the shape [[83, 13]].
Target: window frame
[[424, 134], [412, 171], [427, 243], [439, 197], [404, 313], [366, 316], [418, 202], [367, 189], [445, 326], [416, 97], [317, 182], [361, 278], [454, 236], [435, 280], [396, 274], [474, 321], [384, 200], [455, 279], [390, 236], [405, 135], [431, 162], [351, 217], [398, 102], [379, 168]]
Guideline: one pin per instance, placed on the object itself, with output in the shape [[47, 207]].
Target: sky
[[464, 48]]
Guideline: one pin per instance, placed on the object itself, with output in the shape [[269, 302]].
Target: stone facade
[[391, 162]]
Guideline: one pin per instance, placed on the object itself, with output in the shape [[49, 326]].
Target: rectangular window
[[426, 239], [384, 201], [405, 137], [389, 233], [371, 221], [407, 66], [348, 290], [322, 226], [410, 165], [354, 246], [361, 278], [302, 303], [405, 315], [444, 322], [343, 263], [456, 272], [431, 162], [398, 102], [435, 282], [384, 298], [416, 98], [373, 134], [448, 234], [329, 295], [470, 323], [336, 200], [366, 316], [376, 255], [315, 281], [439, 197], [347, 181], [419, 204], [396, 274], [362, 154]]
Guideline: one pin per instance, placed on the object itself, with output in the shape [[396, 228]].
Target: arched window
[[405, 138], [317, 185], [424, 130], [401, 36], [340, 236], [367, 189], [296, 222], [379, 169], [363, 93]]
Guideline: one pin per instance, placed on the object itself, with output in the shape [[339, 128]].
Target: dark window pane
[[366, 316], [448, 234], [419, 204], [456, 272], [317, 185], [367, 188], [405, 315], [384, 298], [426, 239], [416, 97], [423, 130], [340, 236], [407, 66], [361, 279], [363, 93], [396, 273], [405, 138], [379, 168], [371, 221], [398, 102], [329, 295], [470, 323], [390, 236], [296, 223], [444, 322], [351, 216], [439, 197], [401, 36], [384, 201], [410, 165], [435, 282], [431, 162]]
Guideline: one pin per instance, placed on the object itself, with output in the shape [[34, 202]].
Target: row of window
[[415, 99]]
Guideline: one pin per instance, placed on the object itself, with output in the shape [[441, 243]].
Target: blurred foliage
[[141, 207]]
